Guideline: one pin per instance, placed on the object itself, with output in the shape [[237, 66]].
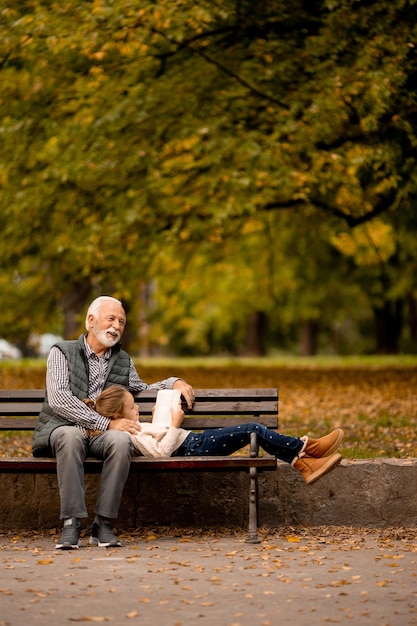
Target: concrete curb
[[373, 493]]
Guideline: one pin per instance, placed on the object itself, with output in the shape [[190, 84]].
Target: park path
[[302, 577]]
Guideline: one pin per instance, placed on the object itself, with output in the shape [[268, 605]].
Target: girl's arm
[[157, 442]]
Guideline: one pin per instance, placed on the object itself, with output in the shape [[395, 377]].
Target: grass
[[275, 360]]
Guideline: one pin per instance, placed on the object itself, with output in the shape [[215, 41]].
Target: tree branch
[[223, 68], [351, 220], [241, 80]]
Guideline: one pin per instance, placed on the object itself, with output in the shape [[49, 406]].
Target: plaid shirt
[[66, 405]]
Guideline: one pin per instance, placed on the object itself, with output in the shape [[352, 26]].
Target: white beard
[[104, 339]]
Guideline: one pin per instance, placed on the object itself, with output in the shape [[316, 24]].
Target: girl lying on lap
[[312, 457]]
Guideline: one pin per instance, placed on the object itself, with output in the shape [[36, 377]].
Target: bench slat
[[258, 403], [266, 393], [20, 408], [18, 423], [142, 464], [190, 423], [200, 408]]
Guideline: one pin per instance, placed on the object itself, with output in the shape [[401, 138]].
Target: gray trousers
[[70, 448]]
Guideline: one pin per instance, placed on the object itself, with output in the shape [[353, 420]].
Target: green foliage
[[222, 151]]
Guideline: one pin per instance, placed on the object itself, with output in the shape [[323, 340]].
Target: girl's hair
[[110, 402]]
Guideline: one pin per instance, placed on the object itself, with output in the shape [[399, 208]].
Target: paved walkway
[[300, 577]]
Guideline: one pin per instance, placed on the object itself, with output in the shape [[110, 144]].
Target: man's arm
[[61, 399], [137, 385]]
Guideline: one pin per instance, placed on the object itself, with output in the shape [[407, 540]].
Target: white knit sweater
[[158, 441]]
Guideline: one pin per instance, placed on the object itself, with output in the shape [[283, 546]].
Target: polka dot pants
[[225, 441]]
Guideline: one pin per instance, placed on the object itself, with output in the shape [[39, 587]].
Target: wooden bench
[[213, 408]]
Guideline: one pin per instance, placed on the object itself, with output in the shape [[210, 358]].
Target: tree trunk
[[254, 340], [309, 337], [388, 326], [143, 325], [72, 304], [412, 319]]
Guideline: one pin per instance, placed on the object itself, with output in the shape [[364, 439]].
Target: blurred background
[[242, 175]]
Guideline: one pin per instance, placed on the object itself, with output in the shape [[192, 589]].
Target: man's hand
[[124, 424], [187, 391]]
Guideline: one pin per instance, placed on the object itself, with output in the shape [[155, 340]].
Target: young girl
[[312, 457]]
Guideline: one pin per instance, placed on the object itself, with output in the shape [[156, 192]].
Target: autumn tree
[[138, 132]]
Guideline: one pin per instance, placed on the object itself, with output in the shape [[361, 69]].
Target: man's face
[[109, 324]]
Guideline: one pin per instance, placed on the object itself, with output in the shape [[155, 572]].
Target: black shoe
[[102, 536], [70, 535]]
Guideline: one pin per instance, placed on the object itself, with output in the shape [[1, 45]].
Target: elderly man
[[76, 370]]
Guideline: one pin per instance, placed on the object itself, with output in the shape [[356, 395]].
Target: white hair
[[96, 304]]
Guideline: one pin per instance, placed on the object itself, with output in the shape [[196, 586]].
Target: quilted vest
[[74, 351]]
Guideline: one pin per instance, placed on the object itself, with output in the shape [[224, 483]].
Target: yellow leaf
[[292, 539], [45, 561], [338, 583], [6, 592], [132, 614]]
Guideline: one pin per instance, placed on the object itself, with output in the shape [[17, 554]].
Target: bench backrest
[[19, 408]]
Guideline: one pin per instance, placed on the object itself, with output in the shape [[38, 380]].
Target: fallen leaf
[[338, 583], [6, 592], [88, 618]]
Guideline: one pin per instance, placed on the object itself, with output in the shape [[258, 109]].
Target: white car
[[43, 343], [9, 351]]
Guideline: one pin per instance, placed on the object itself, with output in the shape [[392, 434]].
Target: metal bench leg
[[253, 507], [253, 494]]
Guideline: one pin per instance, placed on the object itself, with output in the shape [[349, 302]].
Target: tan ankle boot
[[325, 445], [313, 469]]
